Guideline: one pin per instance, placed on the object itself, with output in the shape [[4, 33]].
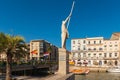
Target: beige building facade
[[96, 51], [39, 49]]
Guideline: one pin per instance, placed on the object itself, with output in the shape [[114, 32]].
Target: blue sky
[[41, 19]]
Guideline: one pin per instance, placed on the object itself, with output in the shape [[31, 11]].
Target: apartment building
[[39, 49], [97, 51]]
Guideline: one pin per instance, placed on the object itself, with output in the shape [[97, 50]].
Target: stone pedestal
[[63, 61]]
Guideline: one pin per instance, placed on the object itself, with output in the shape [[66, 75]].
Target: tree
[[49, 50], [12, 46]]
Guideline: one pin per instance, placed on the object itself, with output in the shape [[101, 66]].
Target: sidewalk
[[49, 77]]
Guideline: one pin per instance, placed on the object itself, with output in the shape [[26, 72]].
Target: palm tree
[[49, 50], [12, 46], [21, 52]]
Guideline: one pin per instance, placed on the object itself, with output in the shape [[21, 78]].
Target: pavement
[[51, 77], [48, 77]]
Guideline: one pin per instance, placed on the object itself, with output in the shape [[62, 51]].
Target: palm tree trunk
[[8, 67]]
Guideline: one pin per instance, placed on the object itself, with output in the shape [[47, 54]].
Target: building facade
[[97, 51], [39, 50]]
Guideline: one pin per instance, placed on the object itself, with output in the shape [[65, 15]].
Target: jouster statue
[[64, 29]]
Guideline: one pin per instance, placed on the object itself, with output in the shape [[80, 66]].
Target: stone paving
[[53, 77], [49, 77]]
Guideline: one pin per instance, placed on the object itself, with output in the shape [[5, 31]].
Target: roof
[[37, 40], [88, 38], [115, 36]]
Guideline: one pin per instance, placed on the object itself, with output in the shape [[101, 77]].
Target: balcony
[[94, 44], [76, 58], [78, 51], [110, 58], [91, 58]]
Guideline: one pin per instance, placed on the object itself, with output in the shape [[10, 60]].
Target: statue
[[65, 33], [64, 29]]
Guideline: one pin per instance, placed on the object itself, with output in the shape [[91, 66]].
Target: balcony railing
[[91, 58], [87, 50], [110, 58]]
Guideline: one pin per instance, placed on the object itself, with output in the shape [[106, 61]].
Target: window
[[78, 48], [110, 54], [105, 62], [116, 45], [89, 55], [89, 62], [105, 54], [41, 51], [100, 48], [94, 48], [73, 54], [100, 41], [110, 45], [84, 47], [94, 54], [41, 44], [100, 62], [116, 62], [32, 44], [79, 55], [100, 54], [105, 45], [115, 54], [88, 42], [84, 41], [84, 54], [73, 42], [78, 41], [89, 49], [94, 42]]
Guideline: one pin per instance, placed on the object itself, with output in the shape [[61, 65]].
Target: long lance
[[70, 13]]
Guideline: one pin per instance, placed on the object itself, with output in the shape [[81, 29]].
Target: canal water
[[98, 76]]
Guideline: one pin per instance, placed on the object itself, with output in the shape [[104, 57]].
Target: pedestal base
[[63, 61]]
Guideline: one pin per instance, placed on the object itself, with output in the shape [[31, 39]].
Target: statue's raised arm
[[64, 29], [67, 19]]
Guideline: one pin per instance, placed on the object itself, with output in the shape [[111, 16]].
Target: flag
[[46, 54], [34, 52]]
